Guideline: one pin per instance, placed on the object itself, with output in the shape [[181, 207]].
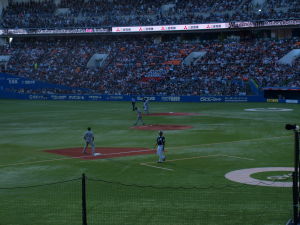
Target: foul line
[[158, 167], [119, 153], [48, 160], [196, 157], [237, 157], [229, 142], [206, 156], [74, 157]]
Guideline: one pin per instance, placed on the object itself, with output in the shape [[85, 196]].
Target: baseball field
[[203, 181]]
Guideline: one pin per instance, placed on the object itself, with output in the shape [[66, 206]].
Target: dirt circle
[[244, 176], [162, 127], [172, 114]]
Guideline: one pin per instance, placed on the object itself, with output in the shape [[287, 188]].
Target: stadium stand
[[144, 64], [92, 13], [139, 65]]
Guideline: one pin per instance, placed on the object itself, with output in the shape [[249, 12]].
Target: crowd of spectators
[[96, 13], [140, 65]]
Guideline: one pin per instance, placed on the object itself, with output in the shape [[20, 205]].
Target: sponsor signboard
[[37, 97], [170, 99], [98, 97], [291, 101], [71, 31], [76, 97], [272, 100], [211, 99], [162, 28], [154, 28], [236, 99], [266, 23], [114, 97], [18, 31], [94, 97], [150, 98], [58, 97]]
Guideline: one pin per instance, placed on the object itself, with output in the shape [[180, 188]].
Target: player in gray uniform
[[146, 105], [89, 140], [133, 101], [139, 117]]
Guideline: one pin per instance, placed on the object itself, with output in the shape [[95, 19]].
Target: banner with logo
[[97, 97], [162, 28], [8, 81]]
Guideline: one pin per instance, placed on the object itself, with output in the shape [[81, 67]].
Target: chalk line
[[157, 167], [73, 157]]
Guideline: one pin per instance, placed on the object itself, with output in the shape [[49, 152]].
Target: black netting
[[115, 203], [50, 204]]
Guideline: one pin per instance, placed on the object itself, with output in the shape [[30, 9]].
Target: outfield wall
[[17, 82], [97, 97], [10, 83]]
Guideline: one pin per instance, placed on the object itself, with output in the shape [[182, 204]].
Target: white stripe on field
[[237, 157], [196, 157], [119, 153], [41, 161], [157, 167], [206, 156], [229, 142]]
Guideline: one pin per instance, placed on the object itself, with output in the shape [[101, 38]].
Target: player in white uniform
[[146, 105], [89, 140]]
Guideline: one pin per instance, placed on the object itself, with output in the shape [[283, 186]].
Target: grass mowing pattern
[[29, 127]]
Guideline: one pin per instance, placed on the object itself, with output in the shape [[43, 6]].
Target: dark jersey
[[160, 140]]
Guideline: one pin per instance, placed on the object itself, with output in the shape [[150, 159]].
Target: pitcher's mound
[[162, 127]]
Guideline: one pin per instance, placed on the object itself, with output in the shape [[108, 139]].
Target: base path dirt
[[105, 152], [162, 127]]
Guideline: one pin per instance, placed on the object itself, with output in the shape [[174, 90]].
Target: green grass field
[[191, 190]]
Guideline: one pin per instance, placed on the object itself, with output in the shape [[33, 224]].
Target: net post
[[83, 196], [298, 170], [295, 174], [295, 198]]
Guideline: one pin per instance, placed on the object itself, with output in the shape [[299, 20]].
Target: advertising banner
[[163, 28], [15, 82], [98, 97], [151, 28]]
